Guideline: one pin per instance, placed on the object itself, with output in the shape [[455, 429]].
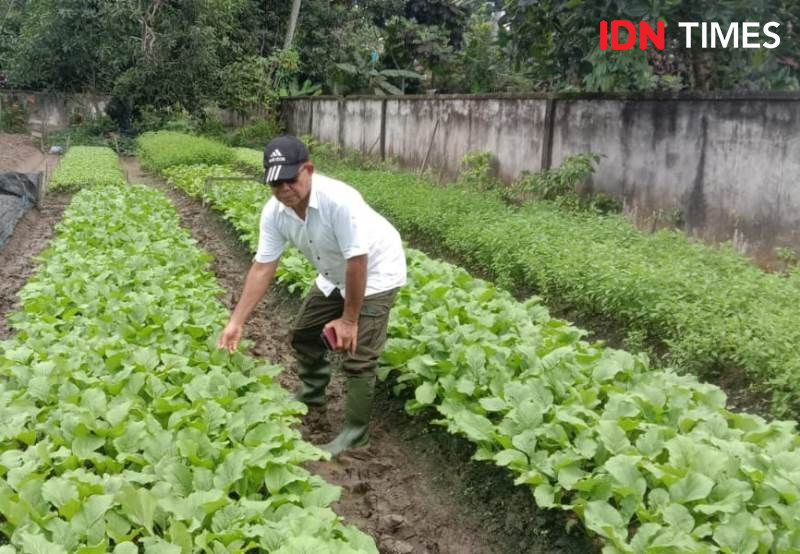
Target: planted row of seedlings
[[710, 311], [123, 428], [84, 166], [650, 460]]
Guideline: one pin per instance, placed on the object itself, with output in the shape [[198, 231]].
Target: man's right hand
[[230, 336]]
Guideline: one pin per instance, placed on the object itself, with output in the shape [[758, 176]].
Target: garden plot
[[123, 426], [113, 376], [413, 487], [647, 459]]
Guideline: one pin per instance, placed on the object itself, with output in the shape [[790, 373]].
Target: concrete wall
[[361, 125], [728, 166], [443, 132], [235, 119], [53, 108], [325, 121], [56, 109], [731, 168]]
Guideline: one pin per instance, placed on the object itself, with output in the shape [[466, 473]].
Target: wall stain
[[695, 204]]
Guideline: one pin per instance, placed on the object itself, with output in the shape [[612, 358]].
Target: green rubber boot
[[313, 382], [357, 412]]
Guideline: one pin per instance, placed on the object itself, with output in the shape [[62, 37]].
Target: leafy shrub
[[95, 131], [788, 256], [169, 118], [478, 171], [210, 125], [84, 166], [162, 149], [180, 124], [149, 118], [93, 124], [562, 181], [560, 185], [257, 134]]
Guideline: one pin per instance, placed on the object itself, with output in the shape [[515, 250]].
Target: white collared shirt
[[339, 225]]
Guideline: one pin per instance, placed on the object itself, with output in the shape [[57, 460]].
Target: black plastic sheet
[[18, 192]]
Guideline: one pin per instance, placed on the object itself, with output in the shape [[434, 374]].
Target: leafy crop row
[[123, 428], [84, 166], [249, 160], [163, 149], [710, 310], [650, 460]]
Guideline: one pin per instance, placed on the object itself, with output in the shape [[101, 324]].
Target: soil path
[[413, 488], [20, 153]]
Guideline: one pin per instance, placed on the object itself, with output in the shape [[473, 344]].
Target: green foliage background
[[187, 55]]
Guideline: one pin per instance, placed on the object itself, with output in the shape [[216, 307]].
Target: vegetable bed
[[123, 428], [650, 460], [84, 166], [708, 311]]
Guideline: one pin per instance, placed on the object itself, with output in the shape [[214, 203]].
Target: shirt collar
[[313, 199]]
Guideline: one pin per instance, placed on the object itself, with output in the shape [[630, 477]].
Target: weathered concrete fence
[[728, 166], [55, 110], [52, 109]]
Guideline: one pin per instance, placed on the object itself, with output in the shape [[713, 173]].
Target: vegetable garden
[[125, 429]]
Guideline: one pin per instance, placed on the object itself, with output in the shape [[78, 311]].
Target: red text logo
[[646, 33]]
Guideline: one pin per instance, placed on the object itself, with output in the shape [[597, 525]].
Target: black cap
[[283, 156]]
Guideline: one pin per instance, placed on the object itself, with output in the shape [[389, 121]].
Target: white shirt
[[338, 225]]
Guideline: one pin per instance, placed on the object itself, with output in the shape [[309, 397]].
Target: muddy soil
[[413, 488]]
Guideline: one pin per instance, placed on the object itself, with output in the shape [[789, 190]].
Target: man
[[360, 263]]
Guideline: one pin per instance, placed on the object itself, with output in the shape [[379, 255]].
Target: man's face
[[294, 193]]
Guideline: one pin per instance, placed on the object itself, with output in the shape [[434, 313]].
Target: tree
[[292, 23], [411, 46], [556, 44], [10, 23], [48, 53]]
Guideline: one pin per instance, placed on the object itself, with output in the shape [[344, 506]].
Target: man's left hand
[[346, 334]]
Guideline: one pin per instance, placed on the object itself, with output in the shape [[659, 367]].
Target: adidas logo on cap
[[276, 156]]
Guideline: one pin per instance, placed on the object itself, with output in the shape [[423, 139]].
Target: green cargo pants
[[317, 310]]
